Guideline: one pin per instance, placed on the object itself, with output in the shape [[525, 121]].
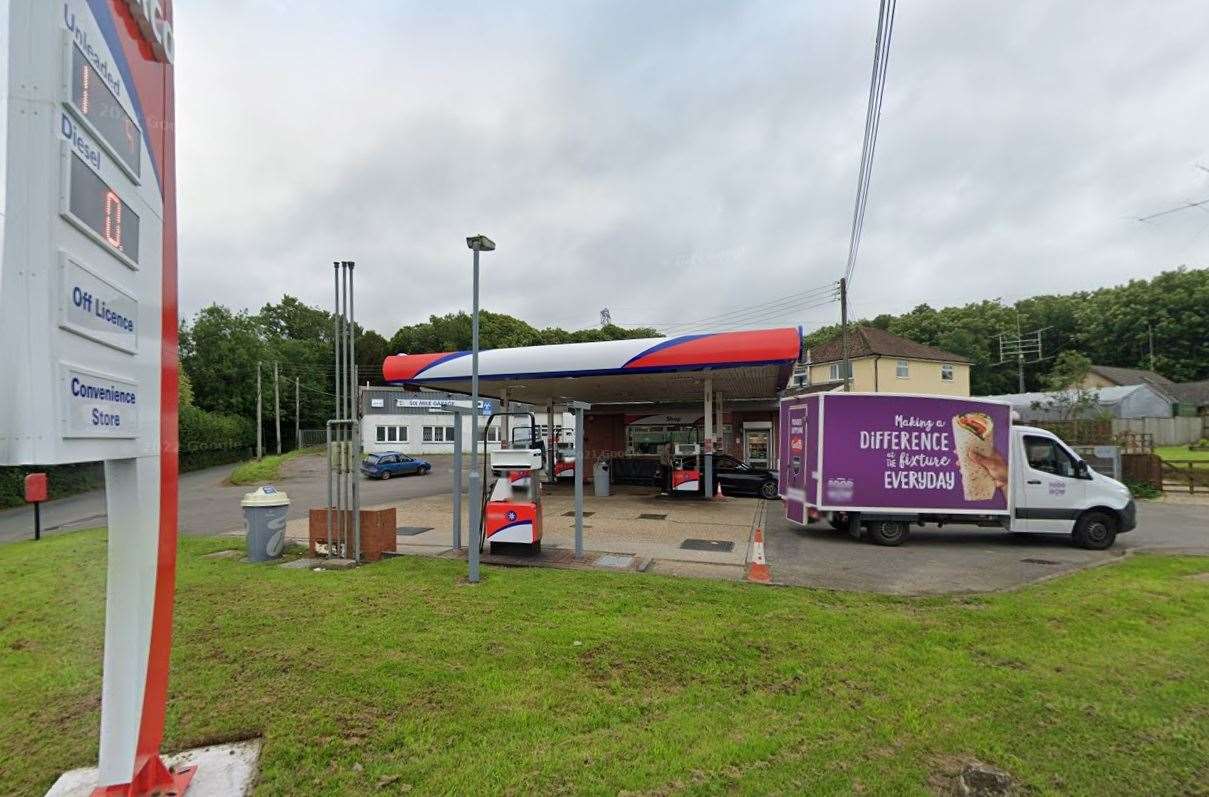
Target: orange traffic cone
[[758, 571], [718, 496]]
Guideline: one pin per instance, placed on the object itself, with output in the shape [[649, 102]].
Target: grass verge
[[267, 469], [399, 677], [1183, 453]]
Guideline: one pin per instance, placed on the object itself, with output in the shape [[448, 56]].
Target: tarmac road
[[963, 559], [208, 505]]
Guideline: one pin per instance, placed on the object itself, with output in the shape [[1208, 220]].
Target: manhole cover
[[1040, 562], [572, 513], [411, 531], [615, 560], [652, 516], [722, 546]]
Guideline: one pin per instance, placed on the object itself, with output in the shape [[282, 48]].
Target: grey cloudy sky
[[675, 161]]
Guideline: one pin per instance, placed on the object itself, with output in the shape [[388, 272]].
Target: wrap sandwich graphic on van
[[974, 433]]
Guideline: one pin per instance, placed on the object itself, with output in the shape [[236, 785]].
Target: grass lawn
[[267, 469], [397, 677], [1182, 453]]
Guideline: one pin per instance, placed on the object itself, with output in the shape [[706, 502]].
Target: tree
[[1070, 399]]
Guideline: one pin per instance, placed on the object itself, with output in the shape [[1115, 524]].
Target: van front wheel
[[1095, 531]]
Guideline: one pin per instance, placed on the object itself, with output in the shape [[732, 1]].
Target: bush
[[1143, 490], [213, 431], [206, 439]]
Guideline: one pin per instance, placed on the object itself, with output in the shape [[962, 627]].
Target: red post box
[[35, 488]]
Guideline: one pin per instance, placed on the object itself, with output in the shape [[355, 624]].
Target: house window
[[836, 372], [392, 434], [903, 369], [946, 372], [438, 434]]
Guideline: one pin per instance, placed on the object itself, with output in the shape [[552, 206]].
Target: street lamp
[[477, 243]]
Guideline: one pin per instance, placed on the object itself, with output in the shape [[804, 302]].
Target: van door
[[1049, 493]]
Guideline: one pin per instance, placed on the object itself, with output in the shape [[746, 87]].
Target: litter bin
[[600, 478], [264, 516]]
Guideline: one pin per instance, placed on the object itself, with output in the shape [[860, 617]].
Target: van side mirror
[[1082, 470]]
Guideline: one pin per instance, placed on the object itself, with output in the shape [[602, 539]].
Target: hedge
[[206, 439]]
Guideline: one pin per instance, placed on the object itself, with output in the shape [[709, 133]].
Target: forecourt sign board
[[88, 315]]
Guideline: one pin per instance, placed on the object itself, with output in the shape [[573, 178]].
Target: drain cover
[[722, 546], [1040, 562], [572, 513], [411, 531], [615, 560], [652, 516]]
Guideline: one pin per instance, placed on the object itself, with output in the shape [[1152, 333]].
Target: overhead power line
[[1185, 206], [873, 113]]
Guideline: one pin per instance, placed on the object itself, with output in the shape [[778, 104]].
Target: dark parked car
[[740, 478], [391, 463]]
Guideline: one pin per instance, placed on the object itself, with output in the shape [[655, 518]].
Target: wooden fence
[[1142, 469], [1181, 475]]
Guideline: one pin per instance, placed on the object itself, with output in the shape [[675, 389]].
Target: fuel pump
[[512, 507], [681, 469]]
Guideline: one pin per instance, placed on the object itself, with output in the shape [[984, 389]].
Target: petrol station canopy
[[753, 364]]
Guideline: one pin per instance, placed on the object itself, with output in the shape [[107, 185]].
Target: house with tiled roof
[[886, 363]]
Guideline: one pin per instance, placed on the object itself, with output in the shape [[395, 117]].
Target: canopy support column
[[506, 426], [707, 447]]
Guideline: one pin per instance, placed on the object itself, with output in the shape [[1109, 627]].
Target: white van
[[848, 458]]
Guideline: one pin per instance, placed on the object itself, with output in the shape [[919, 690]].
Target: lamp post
[[477, 243]]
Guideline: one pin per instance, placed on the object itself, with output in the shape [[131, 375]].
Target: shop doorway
[[757, 444]]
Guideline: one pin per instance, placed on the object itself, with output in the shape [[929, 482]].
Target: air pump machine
[[512, 507]]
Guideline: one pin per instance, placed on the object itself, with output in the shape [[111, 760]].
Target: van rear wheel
[[888, 532], [1095, 531]]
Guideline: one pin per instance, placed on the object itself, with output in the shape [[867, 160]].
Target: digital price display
[[99, 208], [94, 101]]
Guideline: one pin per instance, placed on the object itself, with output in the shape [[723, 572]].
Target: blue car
[[392, 463]]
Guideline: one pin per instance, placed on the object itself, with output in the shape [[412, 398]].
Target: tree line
[[1107, 326], [220, 349]]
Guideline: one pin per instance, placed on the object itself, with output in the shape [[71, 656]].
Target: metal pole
[[345, 436], [259, 427], [297, 414], [338, 467], [277, 405], [457, 480], [37, 520], [580, 463], [330, 507], [847, 364], [707, 450], [354, 415], [476, 485], [551, 442], [332, 455]]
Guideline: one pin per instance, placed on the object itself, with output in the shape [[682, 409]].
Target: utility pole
[[297, 415], [259, 428], [1020, 358], [847, 364], [277, 406]]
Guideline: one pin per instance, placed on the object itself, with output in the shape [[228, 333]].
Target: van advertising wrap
[[914, 453]]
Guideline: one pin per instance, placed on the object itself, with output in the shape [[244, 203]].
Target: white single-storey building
[[420, 422]]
